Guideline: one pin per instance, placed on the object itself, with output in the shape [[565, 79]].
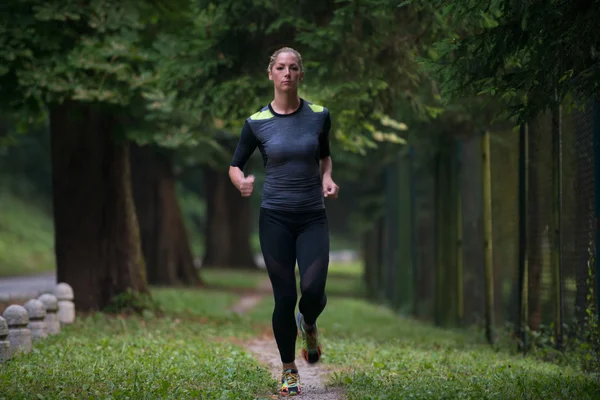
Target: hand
[[247, 185], [330, 189]]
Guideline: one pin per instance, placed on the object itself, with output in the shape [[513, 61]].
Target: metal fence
[[497, 229]]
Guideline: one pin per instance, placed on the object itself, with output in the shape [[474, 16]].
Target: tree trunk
[[165, 243], [228, 224], [97, 241]]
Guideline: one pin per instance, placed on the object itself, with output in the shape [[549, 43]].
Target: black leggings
[[284, 238]]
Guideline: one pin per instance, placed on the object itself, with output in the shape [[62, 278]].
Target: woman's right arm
[[236, 175], [245, 147]]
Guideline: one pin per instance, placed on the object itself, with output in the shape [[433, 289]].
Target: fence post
[[523, 295], [404, 277], [556, 249], [597, 198], [459, 235], [413, 231], [445, 226], [439, 222], [487, 236], [390, 223]]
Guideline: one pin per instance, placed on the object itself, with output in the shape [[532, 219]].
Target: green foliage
[[131, 301], [581, 339], [26, 236], [25, 163], [224, 278], [61, 50], [189, 73], [360, 61], [529, 55], [103, 51], [213, 71]]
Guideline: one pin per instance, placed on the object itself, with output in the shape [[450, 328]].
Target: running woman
[[292, 135]]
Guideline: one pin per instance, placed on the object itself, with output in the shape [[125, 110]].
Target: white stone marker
[[4, 343], [37, 314], [19, 334], [51, 304], [66, 307]]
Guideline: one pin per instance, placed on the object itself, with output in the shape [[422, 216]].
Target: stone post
[[66, 307], [37, 314], [51, 304], [19, 334], [4, 343]]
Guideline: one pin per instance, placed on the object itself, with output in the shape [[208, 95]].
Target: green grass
[[350, 269], [345, 279], [194, 303], [231, 278], [26, 237], [191, 352], [400, 357], [103, 357], [380, 355], [180, 356]]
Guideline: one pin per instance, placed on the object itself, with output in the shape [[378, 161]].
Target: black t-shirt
[[291, 146]]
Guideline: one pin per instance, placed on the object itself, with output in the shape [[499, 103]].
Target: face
[[285, 72]]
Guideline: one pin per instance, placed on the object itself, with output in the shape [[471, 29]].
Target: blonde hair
[[285, 50]]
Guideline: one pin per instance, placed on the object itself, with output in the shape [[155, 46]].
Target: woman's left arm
[[326, 167], [330, 189]]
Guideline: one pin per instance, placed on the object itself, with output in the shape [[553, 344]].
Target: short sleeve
[[245, 147], [324, 148]]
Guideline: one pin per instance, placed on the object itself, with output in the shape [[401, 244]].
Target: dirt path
[[252, 298], [312, 377]]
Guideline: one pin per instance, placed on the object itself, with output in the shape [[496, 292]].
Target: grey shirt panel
[[291, 146]]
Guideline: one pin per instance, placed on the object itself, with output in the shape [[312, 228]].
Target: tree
[[87, 67], [220, 70], [165, 244], [531, 55]]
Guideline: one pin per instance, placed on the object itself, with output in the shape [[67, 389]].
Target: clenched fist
[[247, 185], [330, 189]]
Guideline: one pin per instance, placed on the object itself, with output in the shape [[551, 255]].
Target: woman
[[292, 135]]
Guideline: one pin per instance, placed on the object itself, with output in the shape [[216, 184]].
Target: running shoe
[[290, 383], [311, 349]]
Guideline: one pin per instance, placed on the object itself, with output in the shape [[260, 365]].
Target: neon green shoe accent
[[266, 114], [290, 383], [316, 108]]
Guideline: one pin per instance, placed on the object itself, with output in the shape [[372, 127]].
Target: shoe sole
[[291, 394], [312, 356]]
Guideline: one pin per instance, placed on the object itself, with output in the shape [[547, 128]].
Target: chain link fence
[[517, 258]]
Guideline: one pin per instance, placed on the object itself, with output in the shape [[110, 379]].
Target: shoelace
[[291, 378]]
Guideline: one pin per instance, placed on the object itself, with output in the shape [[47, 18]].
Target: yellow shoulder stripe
[[266, 114]]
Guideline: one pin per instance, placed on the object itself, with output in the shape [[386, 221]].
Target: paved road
[[26, 286]]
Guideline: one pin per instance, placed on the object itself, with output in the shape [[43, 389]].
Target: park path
[[24, 287], [264, 349]]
